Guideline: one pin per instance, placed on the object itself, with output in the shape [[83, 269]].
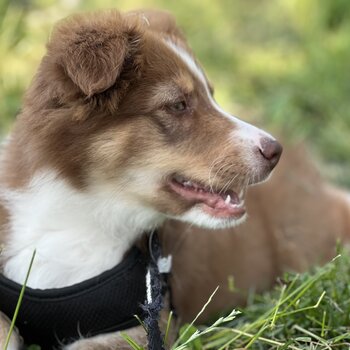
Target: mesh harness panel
[[105, 303]]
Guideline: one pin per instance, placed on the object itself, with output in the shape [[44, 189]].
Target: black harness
[[106, 303]]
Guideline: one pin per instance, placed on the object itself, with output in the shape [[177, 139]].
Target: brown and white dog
[[119, 130]]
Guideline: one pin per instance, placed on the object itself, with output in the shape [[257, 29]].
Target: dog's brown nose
[[271, 150]]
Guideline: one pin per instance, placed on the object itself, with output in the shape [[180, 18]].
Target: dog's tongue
[[221, 205]]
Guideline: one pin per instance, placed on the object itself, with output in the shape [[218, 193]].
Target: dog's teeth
[[228, 199], [187, 184]]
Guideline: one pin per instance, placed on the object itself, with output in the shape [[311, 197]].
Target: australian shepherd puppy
[[118, 131]]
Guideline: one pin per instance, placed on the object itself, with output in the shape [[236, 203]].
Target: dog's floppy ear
[[93, 50]]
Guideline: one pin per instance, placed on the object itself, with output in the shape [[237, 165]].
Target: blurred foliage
[[280, 63]]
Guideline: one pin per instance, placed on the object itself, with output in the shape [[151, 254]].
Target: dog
[[118, 132]]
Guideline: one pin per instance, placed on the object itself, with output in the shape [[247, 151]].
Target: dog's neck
[[76, 234]]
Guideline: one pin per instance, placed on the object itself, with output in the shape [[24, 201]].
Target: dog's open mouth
[[221, 204]]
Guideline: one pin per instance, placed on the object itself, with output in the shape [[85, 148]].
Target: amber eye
[[179, 106]]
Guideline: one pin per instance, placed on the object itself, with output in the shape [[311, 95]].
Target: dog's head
[[120, 103]]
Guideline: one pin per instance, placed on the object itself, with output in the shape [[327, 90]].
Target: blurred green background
[[283, 64]]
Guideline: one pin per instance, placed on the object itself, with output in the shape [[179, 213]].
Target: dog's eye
[[179, 106]]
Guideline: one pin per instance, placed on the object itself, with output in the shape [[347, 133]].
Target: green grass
[[304, 311]]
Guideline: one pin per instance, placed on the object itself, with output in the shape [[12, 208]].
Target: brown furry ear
[[94, 49]]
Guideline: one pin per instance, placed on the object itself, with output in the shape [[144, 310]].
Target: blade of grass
[[168, 327], [19, 302], [141, 322], [265, 340], [312, 335], [304, 308], [196, 318], [131, 341], [272, 325], [256, 336], [215, 326]]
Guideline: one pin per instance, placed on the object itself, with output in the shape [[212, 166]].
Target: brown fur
[[101, 101]]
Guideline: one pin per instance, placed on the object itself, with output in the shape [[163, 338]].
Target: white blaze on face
[[189, 61], [241, 131]]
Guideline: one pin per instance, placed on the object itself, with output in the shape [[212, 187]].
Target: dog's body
[[119, 131]]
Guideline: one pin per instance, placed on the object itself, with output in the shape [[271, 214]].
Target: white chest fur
[[77, 235]]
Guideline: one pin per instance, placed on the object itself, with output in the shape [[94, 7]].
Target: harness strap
[[155, 288]]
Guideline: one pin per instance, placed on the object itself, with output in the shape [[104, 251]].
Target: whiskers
[[219, 159], [225, 167]]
